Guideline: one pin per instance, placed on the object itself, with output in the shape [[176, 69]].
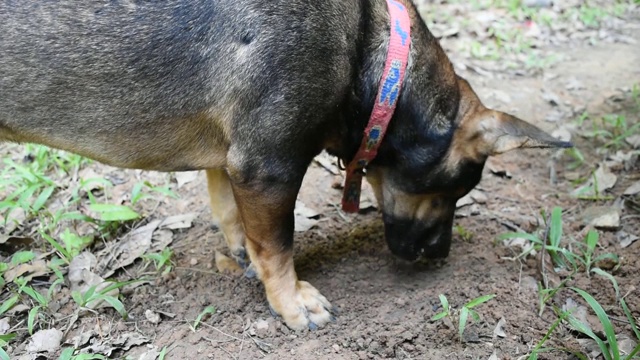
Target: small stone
[[336, 348], [478, 196], [152, 316], [602, 217], [193, 261]]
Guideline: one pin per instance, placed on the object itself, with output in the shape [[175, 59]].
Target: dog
[[250, 91]]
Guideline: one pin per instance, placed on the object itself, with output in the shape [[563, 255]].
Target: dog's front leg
[[266, 207]]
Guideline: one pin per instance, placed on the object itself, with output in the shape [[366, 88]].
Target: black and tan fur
[[250, 91]]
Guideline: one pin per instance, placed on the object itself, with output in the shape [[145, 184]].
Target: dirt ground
[[385, 304]]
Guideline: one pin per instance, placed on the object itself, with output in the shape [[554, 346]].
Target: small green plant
[[91, 296], [587, 257], [551, 241], [207, 311], [465, 234], [161, 260], [68, 354], [463, 314], [4, 341]]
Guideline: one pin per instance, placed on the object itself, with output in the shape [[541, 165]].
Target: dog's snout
[[410, 239]]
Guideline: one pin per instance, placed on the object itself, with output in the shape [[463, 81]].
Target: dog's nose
[[410, 239], [405, 237]]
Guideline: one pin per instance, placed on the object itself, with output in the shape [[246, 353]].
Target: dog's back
[[154, 84]]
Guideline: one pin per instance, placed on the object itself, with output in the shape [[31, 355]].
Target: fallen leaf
[[626, 344], [225, 264], [15, 243], [626, 239], [464, 201], [150, 355], [478, 196], [303, 224], [605, 178], [121, 253], [160, 240], [601, 180], [128, 340], [185, 177], [327, 162], [633, 189], [182, 221], [633, 140], [304, 217], [83, 338], [499, 330], [4, 326], [45, 341], [28, 271], [81, 278], [302, 210]]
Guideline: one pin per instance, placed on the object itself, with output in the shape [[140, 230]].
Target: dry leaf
[[82, 277], [303, 217], [45, 341], [121, 253], [182, 221], [499, 330], [327, 162], [626, 239], [33, 269], [633, 189], [4, 326], [185, 177]]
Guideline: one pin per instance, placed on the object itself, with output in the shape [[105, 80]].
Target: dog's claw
[[312, 326], [273, 312], [250, 272]]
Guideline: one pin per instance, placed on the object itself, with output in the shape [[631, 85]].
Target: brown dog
[[251, 91]]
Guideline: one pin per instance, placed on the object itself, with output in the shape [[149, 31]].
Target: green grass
[[577, 257], [461, 316], [45, 199]]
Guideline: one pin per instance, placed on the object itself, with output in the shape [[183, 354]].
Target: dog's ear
[[501, 132]]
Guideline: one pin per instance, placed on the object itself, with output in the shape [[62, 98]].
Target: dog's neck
[[429, 99]]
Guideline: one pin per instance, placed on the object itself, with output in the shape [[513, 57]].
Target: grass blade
[[464, 314], [32, 319], [207, 310], [444, 302], [116, 304], [603, 317], [7, 305], [480, 300]]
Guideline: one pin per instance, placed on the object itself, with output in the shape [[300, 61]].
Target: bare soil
[[385, 304]]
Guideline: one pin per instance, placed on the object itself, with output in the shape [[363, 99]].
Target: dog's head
[[425, 167]]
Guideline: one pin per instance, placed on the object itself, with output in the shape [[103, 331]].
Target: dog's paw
[[306, 309], [240, 256]]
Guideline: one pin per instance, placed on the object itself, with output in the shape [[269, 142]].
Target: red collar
[[385, 105]]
